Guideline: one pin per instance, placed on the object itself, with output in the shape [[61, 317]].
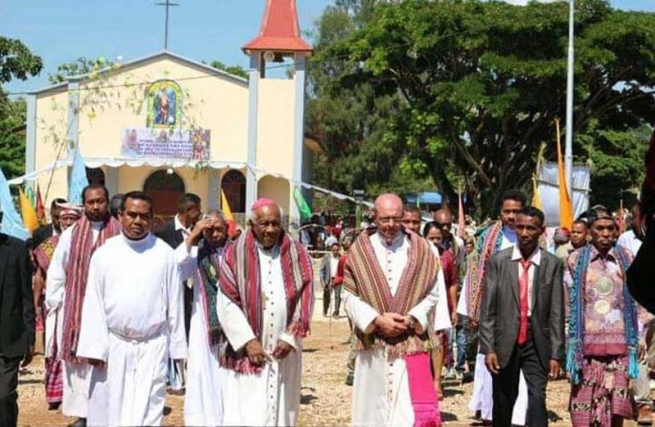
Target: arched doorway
[[234, 187], [165, 189], [95, 176]]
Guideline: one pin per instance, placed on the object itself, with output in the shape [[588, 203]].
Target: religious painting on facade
[[176, 144], [164, 100]]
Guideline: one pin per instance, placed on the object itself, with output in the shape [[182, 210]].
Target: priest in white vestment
[[133, 319], [199, 258], [265, 308], [390, 281], [497, 237], [66, 282]]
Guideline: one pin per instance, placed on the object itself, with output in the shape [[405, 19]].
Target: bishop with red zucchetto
[[265, 306]]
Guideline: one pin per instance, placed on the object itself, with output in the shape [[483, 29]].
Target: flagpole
[[568, 151]]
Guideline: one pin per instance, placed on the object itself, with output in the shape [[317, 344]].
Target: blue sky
[[64, 30]]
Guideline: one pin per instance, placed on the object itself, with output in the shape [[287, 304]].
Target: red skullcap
[[261, 202]]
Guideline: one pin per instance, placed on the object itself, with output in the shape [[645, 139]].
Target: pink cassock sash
[[421, 390]]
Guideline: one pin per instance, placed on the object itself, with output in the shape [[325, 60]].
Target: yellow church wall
[[276, 122], [210, 102], [51, 131], [225, 113], [277, 189], [219, 104]]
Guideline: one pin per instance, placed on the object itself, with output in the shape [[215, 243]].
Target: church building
[[167, 125]]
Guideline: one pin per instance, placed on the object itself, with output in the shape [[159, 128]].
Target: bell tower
[[277, 105]]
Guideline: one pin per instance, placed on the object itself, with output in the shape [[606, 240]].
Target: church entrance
[[165, 189], [234, 187]]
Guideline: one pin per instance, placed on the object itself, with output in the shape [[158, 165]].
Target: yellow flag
[[225, 206], [28, 213], [565, 205], [536, 197]]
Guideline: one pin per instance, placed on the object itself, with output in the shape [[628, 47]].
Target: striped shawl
[[240, 282], [364, 278], [489, 242], [208, 268], [77, 273]]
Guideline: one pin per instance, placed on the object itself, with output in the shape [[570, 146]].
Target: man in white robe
[[392, 331], [65, 288], [132, 320], [496, 238], [266, 279], [199, 259]]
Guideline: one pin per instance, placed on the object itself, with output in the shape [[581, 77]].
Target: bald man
[[391, 279], [265, 306]]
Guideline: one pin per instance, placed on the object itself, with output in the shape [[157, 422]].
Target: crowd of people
[[130, 312]]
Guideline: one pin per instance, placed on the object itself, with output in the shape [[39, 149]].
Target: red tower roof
[[280, 30]]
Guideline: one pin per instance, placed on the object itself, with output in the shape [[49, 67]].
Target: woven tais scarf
[[208, 267], [43, 253], [363, 277], [77, 273], [575, 343], [240, 282], [489, 242]]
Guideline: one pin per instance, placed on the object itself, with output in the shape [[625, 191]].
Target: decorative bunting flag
[[78, 179], [303, 207], [28, 213], [40, 209], [461, 221], [11, 221], [536, 197], [225, 207], [565, 205]]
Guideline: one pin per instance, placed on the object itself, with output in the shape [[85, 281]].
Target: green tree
[[617, 163], [350, 123], [16, 61], [480, 83], [12, 136], [79, 67], [235, 70]]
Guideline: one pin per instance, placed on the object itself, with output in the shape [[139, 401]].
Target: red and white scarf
[[240, 281], [77, 273], [363, 277]]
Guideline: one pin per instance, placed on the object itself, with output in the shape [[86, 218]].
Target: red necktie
[[523, 302]]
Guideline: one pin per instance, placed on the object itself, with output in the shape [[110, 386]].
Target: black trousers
[[506, 387], [327, 293], [188, 308], [8, 393], [337, 299]]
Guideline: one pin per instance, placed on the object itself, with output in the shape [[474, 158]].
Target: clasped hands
[[259, 357], [391, 325]]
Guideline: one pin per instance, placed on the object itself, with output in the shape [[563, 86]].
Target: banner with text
[[166, 144]]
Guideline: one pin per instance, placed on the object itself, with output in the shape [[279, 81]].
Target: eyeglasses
[[389, 219], [447, 225]]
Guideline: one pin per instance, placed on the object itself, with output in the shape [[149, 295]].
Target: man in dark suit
[[522, 321], [175, 232], [641, 272], [46, 231], [16, 322]]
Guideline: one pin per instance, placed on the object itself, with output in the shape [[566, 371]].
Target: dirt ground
[[325, 397]]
